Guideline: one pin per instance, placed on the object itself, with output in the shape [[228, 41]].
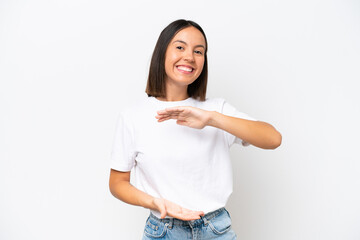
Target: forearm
[[127, 193], [124, 191], [257, 133]]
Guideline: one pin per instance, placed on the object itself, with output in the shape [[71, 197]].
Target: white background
[[68, 67]]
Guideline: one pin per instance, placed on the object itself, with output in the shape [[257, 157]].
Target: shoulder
[[213, 101], [133, 107], [219, 104]]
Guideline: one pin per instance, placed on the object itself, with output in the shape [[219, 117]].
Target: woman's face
[[184, 58]]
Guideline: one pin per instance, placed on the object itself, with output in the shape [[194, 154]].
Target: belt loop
[[171, 223], [205, 221]]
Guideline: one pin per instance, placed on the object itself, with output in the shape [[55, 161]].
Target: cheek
[[201, 64], [170, 60], [173, 57]]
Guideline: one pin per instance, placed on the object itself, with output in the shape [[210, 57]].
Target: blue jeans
[[214, 225]]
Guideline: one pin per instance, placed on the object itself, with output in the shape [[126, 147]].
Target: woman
[[182, 166]]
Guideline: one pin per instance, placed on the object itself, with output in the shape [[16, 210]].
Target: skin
[[187, 50]]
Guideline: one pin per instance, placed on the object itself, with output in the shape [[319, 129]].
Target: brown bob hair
[[156, 80]]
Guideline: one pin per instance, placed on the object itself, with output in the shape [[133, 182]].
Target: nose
[[189, 56]]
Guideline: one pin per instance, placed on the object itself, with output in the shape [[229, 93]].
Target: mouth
[[185, 69]]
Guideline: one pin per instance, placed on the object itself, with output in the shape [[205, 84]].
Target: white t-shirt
[[190, 167]]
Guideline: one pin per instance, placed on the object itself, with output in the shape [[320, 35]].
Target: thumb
[[181, 122], [162, 210], [163, 213]]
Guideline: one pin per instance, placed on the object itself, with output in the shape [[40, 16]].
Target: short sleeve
[[123, 152], [229, 110]]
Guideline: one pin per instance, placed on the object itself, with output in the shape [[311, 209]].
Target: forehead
[[190, 35]]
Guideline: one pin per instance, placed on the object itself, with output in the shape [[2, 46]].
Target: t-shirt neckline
[[187, 100]]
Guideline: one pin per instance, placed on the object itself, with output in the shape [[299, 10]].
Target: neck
[[175, 93]]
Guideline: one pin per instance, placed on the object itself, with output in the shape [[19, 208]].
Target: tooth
[[185, 69]]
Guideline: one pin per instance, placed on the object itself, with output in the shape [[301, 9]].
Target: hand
[[167, 208], [188, 116]]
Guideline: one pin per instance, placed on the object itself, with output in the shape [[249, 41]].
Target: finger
[[162, 211], [200, 213], [174, 109], [191, 217], [166, 117], [170, 111], [163, 214], [187, 215], [163, 119], [169, 114], [162, 116]]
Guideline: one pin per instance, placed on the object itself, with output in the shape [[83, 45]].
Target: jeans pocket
[[221, 223], [155, 229]]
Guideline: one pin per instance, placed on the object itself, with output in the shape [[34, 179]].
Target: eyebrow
[[187, 44]]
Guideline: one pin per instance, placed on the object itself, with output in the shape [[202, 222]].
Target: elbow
[[115, 189], [271, 138], [114, 186], [111, 188], [276, 141], [118, 181]]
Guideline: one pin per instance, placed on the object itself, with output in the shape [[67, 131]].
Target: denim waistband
[[203, 220]]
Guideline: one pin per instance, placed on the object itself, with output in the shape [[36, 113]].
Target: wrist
[[152, 204], [212, 120], [148, 202]]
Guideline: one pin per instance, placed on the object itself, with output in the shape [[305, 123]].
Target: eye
[[180, 47], [198, 52]]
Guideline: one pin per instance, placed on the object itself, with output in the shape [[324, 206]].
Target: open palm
[[188, 116], [168, 208]]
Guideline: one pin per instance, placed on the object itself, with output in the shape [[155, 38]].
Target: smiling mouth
[[185, 69]]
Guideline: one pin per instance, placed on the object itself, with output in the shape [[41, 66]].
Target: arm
[[121, 188], [257, 133]]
